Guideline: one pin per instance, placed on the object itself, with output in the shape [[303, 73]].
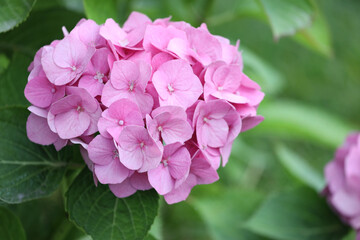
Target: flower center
[[131, 86], [165, 162], [99, 76], [205, 119], [73, 68], [220, 88], [123, 42], [121, 122], [160, 129], [115, 154], [142, 144], [170, 88], [53, 90], [79, 109]]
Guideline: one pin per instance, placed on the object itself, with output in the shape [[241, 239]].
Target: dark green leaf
[[40, 29], [68, 231], [27, 170], [184, 222], [10, 227], [13, 81], [104, 216], [13, 12], [300, 169], [299, 214], [287, 16]]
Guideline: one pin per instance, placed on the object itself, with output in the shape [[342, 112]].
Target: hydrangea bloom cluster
[[167, 99], [343, 177]]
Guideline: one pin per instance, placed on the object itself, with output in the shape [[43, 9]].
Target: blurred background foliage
[[304, 53]]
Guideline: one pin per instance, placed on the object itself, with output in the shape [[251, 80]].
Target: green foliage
[[104, 216], [14, 12], [299, 168], [27, 170], [10, 227], [299, 214], [99, 11]]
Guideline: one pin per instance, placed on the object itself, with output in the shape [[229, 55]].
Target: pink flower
[[201, 172], [41, 93], [38, 130], [169, 123], [120, 114], [96, 73], [138, 150], [173, 169], [176, 84], [87, 31], [66, 61], [76, 114], [136, 181], [128, 80], [343, 176], [105, 156]]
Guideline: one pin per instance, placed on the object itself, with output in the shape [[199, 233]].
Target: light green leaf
[[99, 11], [299, 214], [299, 168], [10, 227], [316, 37], [270, 80], [13, 12], [287, 16], [4, 63], [298, 121], [27, 170], [104, 216]]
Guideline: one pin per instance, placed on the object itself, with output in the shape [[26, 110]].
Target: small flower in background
[[167, 100], [343, 180]]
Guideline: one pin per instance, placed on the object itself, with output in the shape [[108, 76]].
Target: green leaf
[[104, 216], [13, 13], [225, 211], [287, 16], [68, 231], [4, 63], [299, 168], [13, 81], [40, 29], [99, 11], [270, 80], [183, 221], [299, 214], [27, 170], [298, 121], [10, 227], [317, 37]]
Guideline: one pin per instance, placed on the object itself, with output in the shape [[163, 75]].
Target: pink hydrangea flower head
[[120, 114], [173, 169], [176, 84], [76, 114], [343, 176], [138, 150]]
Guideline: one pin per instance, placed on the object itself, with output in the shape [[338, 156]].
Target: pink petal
[[71, 124], [123, 189], [112, 173], [140, 181], [161, 179], [102, 150], [182, 192], [38, 130]]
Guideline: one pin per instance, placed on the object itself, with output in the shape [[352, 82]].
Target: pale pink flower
[[120, 114], [136, 181], [105, 156], [138, 150], [66, 61], [128, 80], [176, 84], [76, 114], [42, 93], [170, 123], [172, 170]]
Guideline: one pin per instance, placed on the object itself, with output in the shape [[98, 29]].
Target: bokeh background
[[304, 54]]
